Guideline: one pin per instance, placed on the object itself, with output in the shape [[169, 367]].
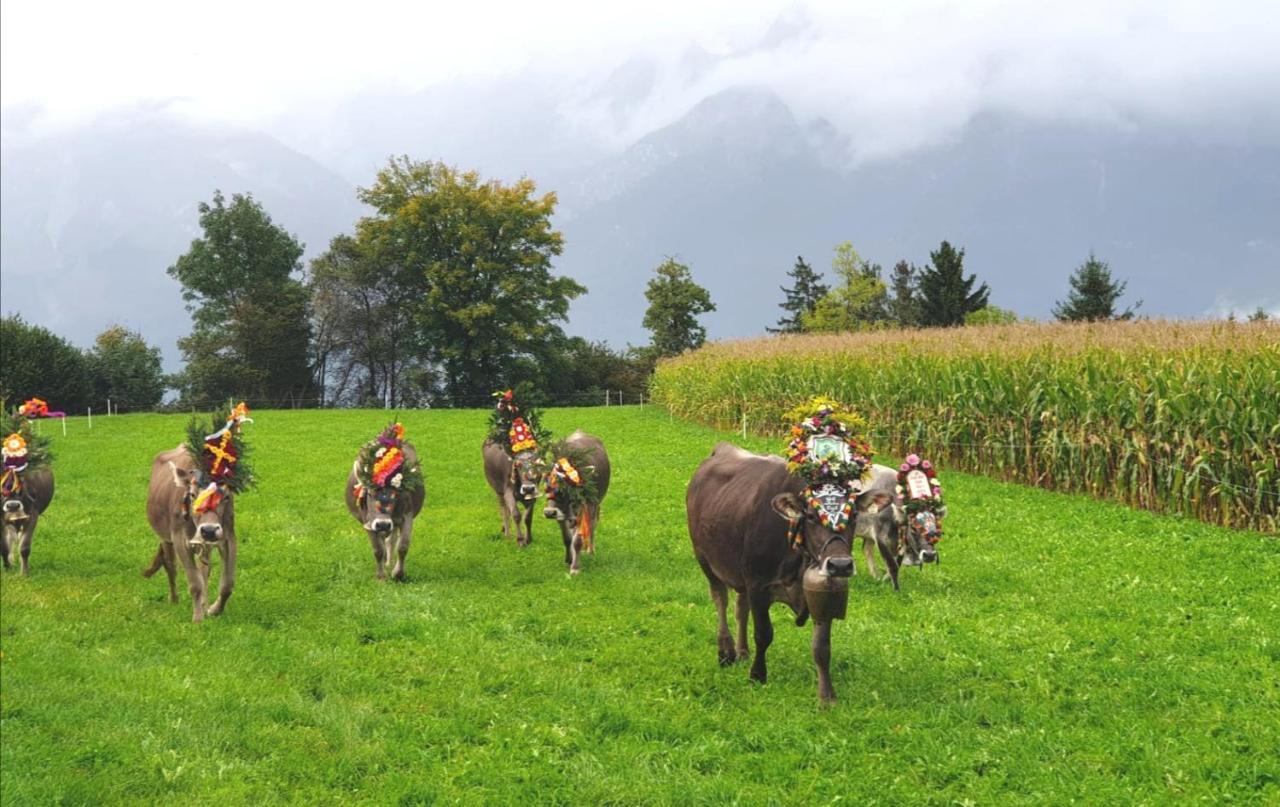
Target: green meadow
[[1065, 650]]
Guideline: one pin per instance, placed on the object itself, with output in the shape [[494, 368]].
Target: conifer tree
[[806, 290], [1093, 295]]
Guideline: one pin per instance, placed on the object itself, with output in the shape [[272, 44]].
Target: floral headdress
[[918, 486], [514, 427], [383, 463], [38, 408], [220, 456], [827, 451], [22, 451]]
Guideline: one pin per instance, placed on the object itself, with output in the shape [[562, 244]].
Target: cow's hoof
[[826, 701], [214, 610], [759, 676], [573, 571], [727, 658]]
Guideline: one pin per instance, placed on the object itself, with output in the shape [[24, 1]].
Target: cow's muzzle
[[380, 525], [838, 567], [929, 555], [553, 512], [12, 506], [210, 532], [528, 491]]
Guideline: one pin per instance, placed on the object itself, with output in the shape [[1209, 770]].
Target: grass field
[[1065, 649]]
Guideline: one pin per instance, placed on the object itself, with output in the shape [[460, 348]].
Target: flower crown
[[383, 462], [918, 486], [514, 427], [23, 450], [221, 456]]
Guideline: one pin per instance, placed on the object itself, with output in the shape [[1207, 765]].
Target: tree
[[1093, 295], [806, 290], [946, 295], [858, 302], [365, 348], [472, 260], [990, 315], [1259, 315], [675, 302], [37, 363], [904, 304], [251, 317], [126, 370]]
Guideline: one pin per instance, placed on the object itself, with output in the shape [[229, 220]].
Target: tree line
[[937, 295], [445, 292]]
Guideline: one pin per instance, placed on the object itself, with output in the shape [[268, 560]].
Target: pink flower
[[913, 459], [926, 465], [937, 492], [904, 468]]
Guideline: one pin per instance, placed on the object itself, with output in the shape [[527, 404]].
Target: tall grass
[[1171, 416]]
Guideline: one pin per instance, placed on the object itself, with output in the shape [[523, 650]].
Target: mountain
[[739, 186], [736, 186], [92, 217]]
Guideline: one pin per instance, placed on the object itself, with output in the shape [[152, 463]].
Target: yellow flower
[[14, 445]]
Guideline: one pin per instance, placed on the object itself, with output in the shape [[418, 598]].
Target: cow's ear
[[787, 506], [181, 476]]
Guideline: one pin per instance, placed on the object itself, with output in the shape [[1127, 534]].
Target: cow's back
[[732, 524], [419, 495], [497, 467], [39, 486], [164, 496], [594, 454]]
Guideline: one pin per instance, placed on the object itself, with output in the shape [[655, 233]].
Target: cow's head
[[571, 511], [920, 532], [379, 507], [15, 499], [527, 470], [205, 505], [827, 548]]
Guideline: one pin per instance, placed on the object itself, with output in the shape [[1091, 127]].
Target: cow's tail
[[156, 563]]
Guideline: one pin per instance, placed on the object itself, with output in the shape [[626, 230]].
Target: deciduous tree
[[675, 302], [251, 316], [37, 363], [472, 259], [858, 302], [126, 370]]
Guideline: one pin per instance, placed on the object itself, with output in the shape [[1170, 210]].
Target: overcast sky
[[897, 74]]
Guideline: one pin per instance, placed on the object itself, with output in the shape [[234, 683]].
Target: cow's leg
[[869, 550], [724, 644], [170, 568], [575, 554], [528, 522], [24, 547], [227, 549], [822, 658], [760, 599], [592, 523], [5, 545], [195, 577], [402, 549], [890, 562], [740, 614], [379, 554], [506, 515]]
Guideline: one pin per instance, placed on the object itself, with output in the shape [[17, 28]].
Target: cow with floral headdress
[[576, 484], [26, 486], [191, 507], [901, 511], [385, 493], [514, 465]]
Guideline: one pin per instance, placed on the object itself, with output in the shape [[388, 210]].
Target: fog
[[891, 76]]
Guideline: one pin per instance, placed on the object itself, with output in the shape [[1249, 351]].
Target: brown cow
[[387, 515], [739, 508], [577, 528], [24, 503], [189, 538], [903, 539], [515, 481]]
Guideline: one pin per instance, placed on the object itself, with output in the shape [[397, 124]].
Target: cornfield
[[1179, 417]]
